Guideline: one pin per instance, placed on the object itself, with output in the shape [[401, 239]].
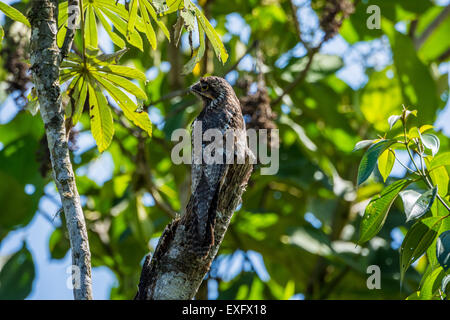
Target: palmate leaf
[[189, 15], [164, 7], [213, 36], [129, 108], [91, 33], [99, 10], [102, 126], [91, 79]]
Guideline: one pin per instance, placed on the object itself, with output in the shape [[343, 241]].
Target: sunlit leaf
[[385, 163], [91, 28], [124, 84], [440, 160], [417, 241], [129, 108], [422, 205], [219, 48], [378, 209], [14, 14], [115, 38], [392, 120], [123, 71], [362, 144], [431, 142], [369, 159], [102, 127]]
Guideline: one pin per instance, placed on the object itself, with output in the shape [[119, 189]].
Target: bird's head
[[211, 88]]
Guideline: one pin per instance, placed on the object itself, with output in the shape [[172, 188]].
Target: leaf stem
[[402, 164], [423, 174]]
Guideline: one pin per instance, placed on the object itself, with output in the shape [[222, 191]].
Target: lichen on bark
[[45, 60]]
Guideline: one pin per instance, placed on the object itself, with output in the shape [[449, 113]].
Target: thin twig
[[71, 28], [300, 77], [185, 91], [423, 175], [432, 26]]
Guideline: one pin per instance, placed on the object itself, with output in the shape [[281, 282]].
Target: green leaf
[[219, 48], [124, 84], [152, 12], [381, 97], [431, 142], [386, 163], [2, 34], [119, 23], [417, 83], [392, 120], [422, 205], [440, 160], [188, 67], [91, 35], [377, 210], [14, 14], [102, 126], [362, 144], [129, 108], [409, 198], [17, 275], [124, 71], [369, 159], [417, 241], [80, 101], [431, 284], [115, 38], [58, 244], [133, 5], [150, 33], [164, 7], [443, 249]]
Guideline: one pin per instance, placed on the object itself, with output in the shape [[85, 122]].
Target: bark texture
[[45, 59], [174, 271]]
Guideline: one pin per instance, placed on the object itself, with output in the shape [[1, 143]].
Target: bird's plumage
[[221, 111]]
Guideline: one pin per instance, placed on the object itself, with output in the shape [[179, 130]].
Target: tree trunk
[[45, 59], [174, 272]]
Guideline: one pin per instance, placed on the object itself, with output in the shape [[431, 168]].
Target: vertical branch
[[45, 60], [173, 272], [74, 10]]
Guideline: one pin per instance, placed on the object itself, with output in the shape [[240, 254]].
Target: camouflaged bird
[[221, 111]]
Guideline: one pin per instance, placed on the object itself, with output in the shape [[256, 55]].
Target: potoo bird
[[221, 112]]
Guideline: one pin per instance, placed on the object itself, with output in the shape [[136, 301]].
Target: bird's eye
[[205, 86]]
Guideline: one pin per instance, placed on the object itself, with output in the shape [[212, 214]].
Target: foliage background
[[294, 236]]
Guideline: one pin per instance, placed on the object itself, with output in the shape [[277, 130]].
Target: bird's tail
[[204, 222]]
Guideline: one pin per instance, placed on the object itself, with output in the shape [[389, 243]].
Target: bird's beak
[[196, 88]]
